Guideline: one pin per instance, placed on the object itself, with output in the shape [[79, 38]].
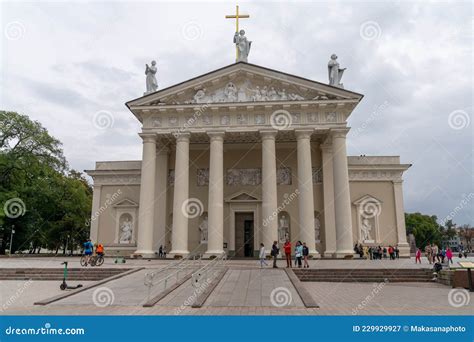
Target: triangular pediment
[[125, 203], [243, 83], [242, 196]]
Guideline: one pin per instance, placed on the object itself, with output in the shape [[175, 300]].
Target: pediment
[[243, 83], [126, 203], [242, 196], [367, 199]]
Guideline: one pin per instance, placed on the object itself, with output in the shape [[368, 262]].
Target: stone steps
[[85, 274], [364, 275]]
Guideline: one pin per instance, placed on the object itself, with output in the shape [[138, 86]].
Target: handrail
[[181, 265], [204, 270]]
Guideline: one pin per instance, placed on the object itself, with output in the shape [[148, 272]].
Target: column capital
[[216, 135], [148, 137], [339, 132], [268, 134], [182, 137], [303, 133]]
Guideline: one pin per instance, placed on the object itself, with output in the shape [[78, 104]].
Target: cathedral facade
[[246, 155]]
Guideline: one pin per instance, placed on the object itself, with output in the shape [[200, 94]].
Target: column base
[[404, 250], [177, 254], [144, 254], [214, 253], [329, 254], [314, 254], [348, 254]]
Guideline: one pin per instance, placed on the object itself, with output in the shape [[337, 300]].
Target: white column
[[402, 244], [162, 153], [269, 190], [147, 197], [215, 241], [328, 193], [95, 215], [305, 187], [342, 200], [179, 238]]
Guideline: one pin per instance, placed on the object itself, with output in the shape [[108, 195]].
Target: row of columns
[[335, 185]]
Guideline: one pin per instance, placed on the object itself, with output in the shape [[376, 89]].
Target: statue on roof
[[335, 73], [151, 83], [243, 46]]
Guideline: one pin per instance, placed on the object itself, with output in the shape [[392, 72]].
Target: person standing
[[160, 252], [305, 255], [428, 253], [397, 252], [274, 253], [299, 253], [449, 255], [435, 252], [418, 256], [287, 248], [391, 253], [262, 255]]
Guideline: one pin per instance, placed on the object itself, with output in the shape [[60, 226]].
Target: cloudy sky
[[62, 63]]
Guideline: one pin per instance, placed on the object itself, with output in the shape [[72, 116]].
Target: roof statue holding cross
[[242, 45]]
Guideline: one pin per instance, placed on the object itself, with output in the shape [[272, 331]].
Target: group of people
[[435, 254], [377, 253], [162, 252], [90, 248], [301, 254]]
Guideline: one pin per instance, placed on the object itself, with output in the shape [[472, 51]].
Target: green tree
[[54, 202], [425, 228]]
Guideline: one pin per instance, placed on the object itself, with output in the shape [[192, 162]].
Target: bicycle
[[97, 260], [84, 261]]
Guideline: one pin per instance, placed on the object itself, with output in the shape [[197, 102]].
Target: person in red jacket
[[287, 248], [418, 256]]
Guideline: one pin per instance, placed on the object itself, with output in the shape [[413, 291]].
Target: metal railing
[[208, 271], [151, 278]]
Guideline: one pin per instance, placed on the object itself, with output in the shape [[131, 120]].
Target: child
[[418, 256], [449, 255], [305, 255], [262, 256]]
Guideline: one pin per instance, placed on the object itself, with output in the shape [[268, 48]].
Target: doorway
[[244, 235]]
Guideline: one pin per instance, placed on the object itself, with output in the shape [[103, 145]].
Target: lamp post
[[11, 238]]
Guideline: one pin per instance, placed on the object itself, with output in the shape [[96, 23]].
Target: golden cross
[[237, 16]]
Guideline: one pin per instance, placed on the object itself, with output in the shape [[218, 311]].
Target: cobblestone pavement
[[244, 290]]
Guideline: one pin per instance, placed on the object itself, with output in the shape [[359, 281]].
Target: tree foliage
[[54, 202]]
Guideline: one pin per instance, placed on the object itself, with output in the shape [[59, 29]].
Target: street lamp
[[11, 238]]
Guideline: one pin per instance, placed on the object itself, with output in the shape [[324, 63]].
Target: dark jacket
[[275, 250], [305, 251]]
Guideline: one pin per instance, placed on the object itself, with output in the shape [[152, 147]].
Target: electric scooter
[[64, 286]]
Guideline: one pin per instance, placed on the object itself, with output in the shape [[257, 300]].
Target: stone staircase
[[364, 275], [84, 274]]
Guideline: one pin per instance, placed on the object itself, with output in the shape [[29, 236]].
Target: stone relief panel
[[331, 117], [259, 119], [202, 177], [173, 121], [235, 177], [242, 119], [207, 119], [225, 120], [313, 117], [156, 121], [284, 176], [317, 175]]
